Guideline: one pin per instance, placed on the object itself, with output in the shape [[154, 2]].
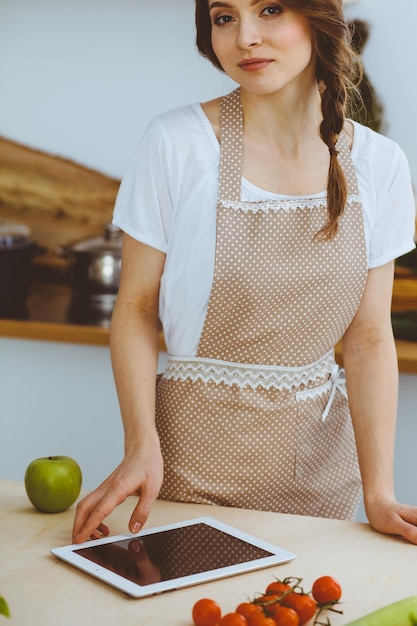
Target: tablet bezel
[[69, 555]]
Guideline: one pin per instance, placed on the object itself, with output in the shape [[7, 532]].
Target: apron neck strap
[[346, 162], [231, 146], [231, 150]]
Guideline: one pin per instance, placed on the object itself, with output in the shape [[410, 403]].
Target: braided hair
[[338, 71]]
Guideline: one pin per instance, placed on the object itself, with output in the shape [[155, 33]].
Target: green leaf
[[4, 607]]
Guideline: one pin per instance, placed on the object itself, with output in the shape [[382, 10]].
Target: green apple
[[53, 483]]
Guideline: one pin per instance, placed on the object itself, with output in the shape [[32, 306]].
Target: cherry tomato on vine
[[277, 588], [247, 609], [303, 605], [284, 616], [326, 589], [233, 619], [206, 612], [267, 599]]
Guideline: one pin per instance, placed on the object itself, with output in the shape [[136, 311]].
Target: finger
[[401, 522], [410, 533], [102, 531], [409, 515], [142, 510], [82, 512], [94, 522], [84, 506], [409, 525], [91, 519]]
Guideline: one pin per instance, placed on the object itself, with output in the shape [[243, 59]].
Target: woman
[[253, 294]]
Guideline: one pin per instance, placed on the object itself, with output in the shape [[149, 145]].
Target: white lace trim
[[287, 204], [244, 375]]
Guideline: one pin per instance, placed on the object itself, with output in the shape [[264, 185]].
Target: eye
[[272, 10], [221, 20]]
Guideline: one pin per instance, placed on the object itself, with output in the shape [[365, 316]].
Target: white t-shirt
[[168, 200]]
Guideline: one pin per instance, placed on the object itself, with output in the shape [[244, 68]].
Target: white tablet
[[172, 556]]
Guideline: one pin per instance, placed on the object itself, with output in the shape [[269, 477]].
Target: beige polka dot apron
[[259, 417]]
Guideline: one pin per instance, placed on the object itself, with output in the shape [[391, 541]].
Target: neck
[[282, 118]]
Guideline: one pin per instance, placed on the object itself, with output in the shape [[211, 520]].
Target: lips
[[254, 64]]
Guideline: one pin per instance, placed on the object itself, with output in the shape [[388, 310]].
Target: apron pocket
[[322, 443], [326, 467]]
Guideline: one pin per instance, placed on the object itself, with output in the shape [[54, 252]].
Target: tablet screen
[[172, 554]]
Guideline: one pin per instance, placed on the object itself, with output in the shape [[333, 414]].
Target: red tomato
[[248, 608], [278, 588], [261, 620], [233, 619], [206, 613], [303, 605], [326, 589], [284, 616]]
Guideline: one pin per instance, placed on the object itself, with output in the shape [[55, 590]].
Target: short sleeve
[[143, 206], [394, 229], [386, 194]]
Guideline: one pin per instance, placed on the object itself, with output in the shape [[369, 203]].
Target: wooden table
[[373, 569]]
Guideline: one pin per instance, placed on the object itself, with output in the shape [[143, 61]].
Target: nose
[[249, 34]]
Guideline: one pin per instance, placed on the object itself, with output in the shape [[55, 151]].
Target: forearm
[[372, 380], [134, 354]]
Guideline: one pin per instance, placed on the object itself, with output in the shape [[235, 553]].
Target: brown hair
[[338, 70]]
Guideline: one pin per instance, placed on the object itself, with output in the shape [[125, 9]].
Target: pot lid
[[13, 233], [110, 242]]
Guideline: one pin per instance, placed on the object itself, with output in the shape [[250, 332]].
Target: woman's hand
[[393, 518], [139, 474], [371, 368]]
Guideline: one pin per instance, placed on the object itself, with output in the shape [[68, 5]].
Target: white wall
[[389, 59], [81, 78], [58, 398]]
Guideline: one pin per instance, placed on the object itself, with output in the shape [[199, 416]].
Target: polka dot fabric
[[279, 298], [260, 449]]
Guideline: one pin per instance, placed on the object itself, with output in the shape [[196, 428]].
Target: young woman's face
[[261, 45]]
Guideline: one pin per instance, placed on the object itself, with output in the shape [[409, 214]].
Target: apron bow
[[338, 381]]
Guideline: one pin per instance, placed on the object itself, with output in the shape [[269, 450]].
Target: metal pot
[[94, 275], [17, 250]]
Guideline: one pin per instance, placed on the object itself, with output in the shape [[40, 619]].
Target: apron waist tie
[[338, 381]]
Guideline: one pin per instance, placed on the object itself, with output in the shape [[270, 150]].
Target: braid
[[333, 106], [338, 65]]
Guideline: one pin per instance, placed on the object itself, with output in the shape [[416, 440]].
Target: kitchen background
[[80, 79]]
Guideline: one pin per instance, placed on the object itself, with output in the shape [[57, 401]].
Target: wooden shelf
[[52, 331], [47, 321], [61, 332]]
